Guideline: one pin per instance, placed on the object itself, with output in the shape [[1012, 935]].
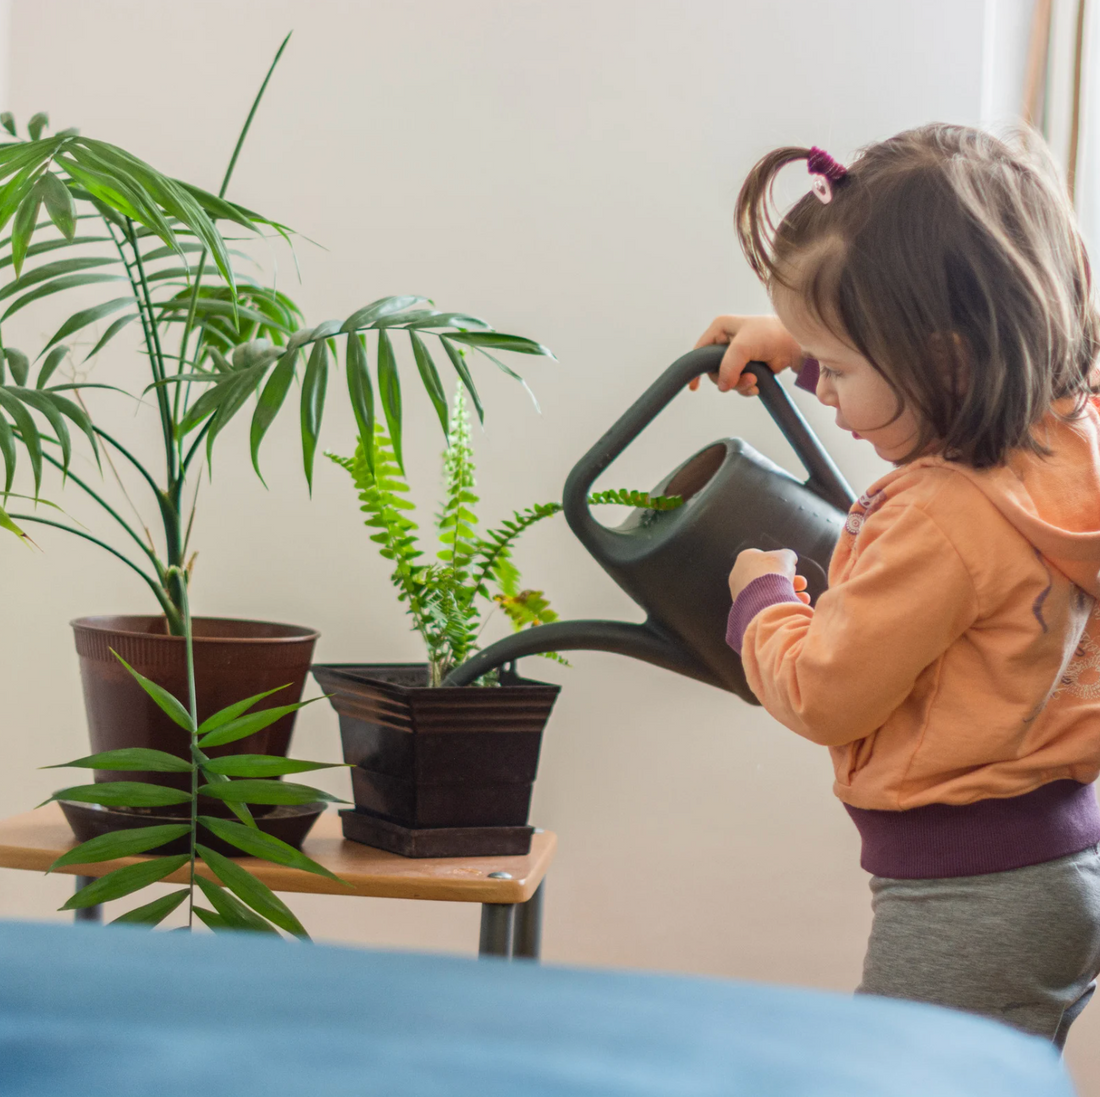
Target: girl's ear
[[951, 358]]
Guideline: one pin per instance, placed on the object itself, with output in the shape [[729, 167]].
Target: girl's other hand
[[749, 339], [753, 563]]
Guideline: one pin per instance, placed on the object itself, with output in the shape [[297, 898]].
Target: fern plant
[[447, 598]]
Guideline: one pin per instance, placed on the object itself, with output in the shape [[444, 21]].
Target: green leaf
[[243, 726], [267, 792], [110, 333], [430, 376], [463, 372], [213, 921], [389, 389], [262, 765], [366, 316], [231, 712], [269, 403], [53, 360], [313, 404], [127, 794], [254, 892], [152, 914], [31, 439], [87, 316], [58, 285], [361, 392], [120, 843], [26, 217], [234, 913], [7, 447], [54, 270], [40, 401], [265, 846], [161, 696], [19, 365], [7, 120], [135, 758], [59, 204], [36, 124], [11, 527], [497, 340], [123, 881]]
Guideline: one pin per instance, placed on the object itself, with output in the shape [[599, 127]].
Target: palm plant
[[447, 599], [213, 335]]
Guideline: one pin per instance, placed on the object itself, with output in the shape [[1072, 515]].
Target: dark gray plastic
[[675, 564]]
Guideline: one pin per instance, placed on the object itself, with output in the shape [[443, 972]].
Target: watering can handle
[[824, 479]]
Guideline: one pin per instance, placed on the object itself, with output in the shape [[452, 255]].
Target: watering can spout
[[645, 642]]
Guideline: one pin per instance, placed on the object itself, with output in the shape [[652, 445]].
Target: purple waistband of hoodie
[[940, 840]]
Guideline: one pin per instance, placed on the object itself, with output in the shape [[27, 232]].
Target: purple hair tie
[[825, 171]]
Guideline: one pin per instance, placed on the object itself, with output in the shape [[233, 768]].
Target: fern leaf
[[628, 498]]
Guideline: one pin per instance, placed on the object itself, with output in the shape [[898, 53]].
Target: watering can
[[675, 563]]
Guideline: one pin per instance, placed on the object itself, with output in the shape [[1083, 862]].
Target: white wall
[[567, 170]]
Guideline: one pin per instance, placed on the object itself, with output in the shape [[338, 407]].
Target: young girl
[[937, 295]]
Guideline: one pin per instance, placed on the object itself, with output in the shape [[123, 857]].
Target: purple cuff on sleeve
[[807, 375], [764, 591]]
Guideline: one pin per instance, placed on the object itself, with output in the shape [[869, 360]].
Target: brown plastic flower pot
[[438, 772], [233, 660]]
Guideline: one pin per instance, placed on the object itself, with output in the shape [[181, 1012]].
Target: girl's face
[[864, 402]]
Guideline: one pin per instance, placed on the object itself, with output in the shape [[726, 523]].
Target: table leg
[[87, 914], [497, 920], [527, 939]]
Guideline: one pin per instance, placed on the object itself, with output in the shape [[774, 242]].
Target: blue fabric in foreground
[[95, 1012]]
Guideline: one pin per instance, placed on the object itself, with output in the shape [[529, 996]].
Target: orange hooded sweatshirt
[[954, 659]]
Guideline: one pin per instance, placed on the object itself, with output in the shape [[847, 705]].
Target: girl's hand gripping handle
[[748, 339]]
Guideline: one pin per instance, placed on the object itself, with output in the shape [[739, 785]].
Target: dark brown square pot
[[438, 758]]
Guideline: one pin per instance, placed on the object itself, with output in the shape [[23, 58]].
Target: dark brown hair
[[953, 264]]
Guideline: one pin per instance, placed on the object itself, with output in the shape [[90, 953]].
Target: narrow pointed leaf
[[26, 217], [269, 403], [77, 414], [497, 340], [7, 523], [365, 316], [58, 285], [41, 403], [54, 270], [243, 726], [59, 204], [361, 392], [262, 765], [463, 372], [152, 914], [235, 914], [213, 921], [163, 698], [136, 758], [123, 881], [53, 360], [265, 846], [28, 432], [313, 404], [110, 333], [36, 124], [88, 316], [254, 892], [430, 376], [231, 712], [248, 791], [389, 390], [7, 448], [120, 843], [127, 794], [53, 245], [7, 120], [19, 365]]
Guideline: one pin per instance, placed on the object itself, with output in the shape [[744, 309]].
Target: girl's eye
[[826, 372]]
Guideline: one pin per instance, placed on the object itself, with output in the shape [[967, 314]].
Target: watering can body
[[675, 563]]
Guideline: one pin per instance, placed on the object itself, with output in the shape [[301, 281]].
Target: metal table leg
[[497, 920], [87, 914], [527, 939]]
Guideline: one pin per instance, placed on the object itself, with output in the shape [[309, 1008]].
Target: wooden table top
[[35, 840]]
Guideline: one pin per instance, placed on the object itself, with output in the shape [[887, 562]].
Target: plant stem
[[194, 710]]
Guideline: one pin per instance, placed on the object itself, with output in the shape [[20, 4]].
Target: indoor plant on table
[[445, 771], [213, 338]]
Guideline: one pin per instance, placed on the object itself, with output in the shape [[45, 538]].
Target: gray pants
[[1022, 947]]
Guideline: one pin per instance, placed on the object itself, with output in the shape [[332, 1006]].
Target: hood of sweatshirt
[[1054, 501]]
